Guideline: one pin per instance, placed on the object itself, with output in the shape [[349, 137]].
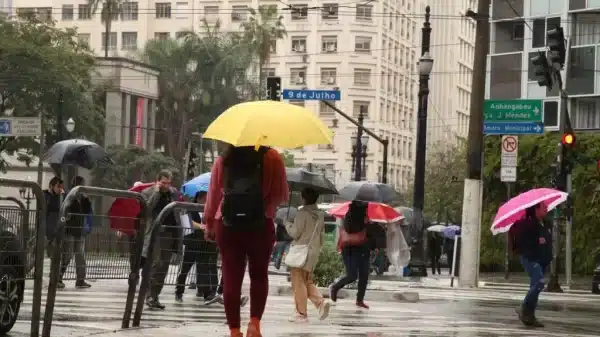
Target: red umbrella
[[122, 212], [376, 212]]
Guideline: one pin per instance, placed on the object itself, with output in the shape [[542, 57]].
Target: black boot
[[524, 315]]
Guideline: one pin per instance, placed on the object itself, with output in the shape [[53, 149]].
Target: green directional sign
[[514, 110]]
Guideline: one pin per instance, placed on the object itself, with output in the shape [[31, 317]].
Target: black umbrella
[[299, 178], [77, 152], [369, 191]]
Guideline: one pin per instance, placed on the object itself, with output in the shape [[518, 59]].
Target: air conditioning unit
[[299, 48], [331, 48], [334, 123], [331, 80]]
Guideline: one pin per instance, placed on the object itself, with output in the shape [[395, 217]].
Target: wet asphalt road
[[439, 313]]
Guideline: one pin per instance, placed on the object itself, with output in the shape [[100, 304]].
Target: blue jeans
[[536, 283], [280, 248], [357, 262]]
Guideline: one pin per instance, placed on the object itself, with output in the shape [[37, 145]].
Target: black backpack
[[243, 206]]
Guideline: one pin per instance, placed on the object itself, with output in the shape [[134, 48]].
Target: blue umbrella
[[198, 184], [451, 231]]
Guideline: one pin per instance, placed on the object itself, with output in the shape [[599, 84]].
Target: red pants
[[235, 248]]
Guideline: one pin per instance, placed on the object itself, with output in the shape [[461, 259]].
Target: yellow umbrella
[[269, 123]]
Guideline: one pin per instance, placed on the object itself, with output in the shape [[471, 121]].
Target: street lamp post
[[417, 266]]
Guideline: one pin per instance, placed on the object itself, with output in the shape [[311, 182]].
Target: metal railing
[[40, 233], [133, 279], [154, 230]]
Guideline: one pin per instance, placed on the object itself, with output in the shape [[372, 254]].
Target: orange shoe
[[253, 328], [236, 333]]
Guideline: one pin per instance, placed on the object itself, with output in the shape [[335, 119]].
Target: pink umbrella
[[514, 209]]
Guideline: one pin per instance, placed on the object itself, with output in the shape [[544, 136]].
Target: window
[[163, 10], [540, 29], [357, 106], [330, 11], [518, 32], [298, 44], [269, 72], [299, 12], [181, 10], [325, 110], [24, 12], [329, 44], [112, 41], [161, 35], [44, 13], [270, 9], [328, 76], [239, 13], [362, 77], [211, 13], [364, 12], [84, 13], [297, 102], [129, 11], [273, 48], [362, 45], [68, 13], [114, 14], [298, 76], [84, 38]]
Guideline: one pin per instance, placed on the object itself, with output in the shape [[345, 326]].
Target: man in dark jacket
[[532, 240], [167, 243], [283, 242], [53, 195], [74, 240]]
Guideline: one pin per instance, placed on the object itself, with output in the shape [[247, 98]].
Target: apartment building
[[368, 50], [518, 32], [452, 49]]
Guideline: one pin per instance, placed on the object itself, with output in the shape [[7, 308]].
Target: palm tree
[[261, 32], [110, 11]]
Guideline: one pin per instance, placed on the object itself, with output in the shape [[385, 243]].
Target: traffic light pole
[[562, 171]]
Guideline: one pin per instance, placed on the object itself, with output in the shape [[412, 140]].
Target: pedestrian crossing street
[[440, 312]]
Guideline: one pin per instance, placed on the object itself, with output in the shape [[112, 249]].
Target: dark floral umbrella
[[369, 191], [299, 178]]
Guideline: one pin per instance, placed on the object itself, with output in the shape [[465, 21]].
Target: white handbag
[[298, 254]]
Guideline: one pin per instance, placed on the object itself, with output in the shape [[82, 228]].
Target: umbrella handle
[[287, 216]]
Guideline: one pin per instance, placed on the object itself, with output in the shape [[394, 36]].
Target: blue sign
[[312, 95], [513, 128], [5, 127]]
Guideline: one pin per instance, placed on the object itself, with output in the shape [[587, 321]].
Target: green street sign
[[514, 110]]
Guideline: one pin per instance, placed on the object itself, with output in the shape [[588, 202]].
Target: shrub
[[329, 267]]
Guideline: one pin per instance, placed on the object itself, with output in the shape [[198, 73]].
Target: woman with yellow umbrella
[[247, 184]]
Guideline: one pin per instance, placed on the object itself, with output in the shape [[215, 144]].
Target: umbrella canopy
[[436, 228], [299, 178], [376, 212], [122, 212], [78, 152], [198, 184], [514, 209], [286, 213], [369, 191], [269, 123], [451, 231]]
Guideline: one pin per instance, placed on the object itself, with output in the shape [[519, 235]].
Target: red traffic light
[[568, 139]]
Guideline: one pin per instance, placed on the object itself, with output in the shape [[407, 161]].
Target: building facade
[[518, 32], [452, 49], [368, 51]]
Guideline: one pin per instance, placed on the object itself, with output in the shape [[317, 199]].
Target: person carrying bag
[[307, 233]]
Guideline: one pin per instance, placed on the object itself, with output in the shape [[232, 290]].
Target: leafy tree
[[132, 164], [443, 191], [46, 72], [261, 32], [288, 158], [111, 9]]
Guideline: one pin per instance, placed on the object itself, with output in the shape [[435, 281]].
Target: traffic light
[[542, 70], [274, 88], [556, 44], [568, 139]]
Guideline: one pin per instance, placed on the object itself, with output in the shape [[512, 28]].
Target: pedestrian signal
[[568, 139]]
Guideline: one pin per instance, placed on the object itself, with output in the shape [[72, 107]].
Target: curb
[[373, 294]]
